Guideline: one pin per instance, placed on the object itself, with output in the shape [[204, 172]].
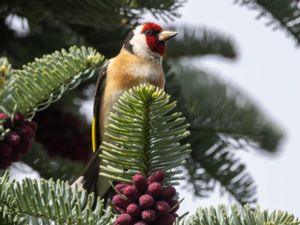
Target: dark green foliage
[[218, 108], [42, 39], [102, 24], [281, 14], [222, 119], [55, 168], [197, 42], [108, 14]]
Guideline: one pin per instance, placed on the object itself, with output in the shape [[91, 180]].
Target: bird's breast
[[145, 72], [124, 73]]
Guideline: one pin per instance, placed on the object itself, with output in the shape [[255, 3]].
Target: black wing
[[96, 137], [89, 176]]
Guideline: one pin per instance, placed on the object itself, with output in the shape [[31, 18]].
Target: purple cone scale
[[145, 201], [18, 140]]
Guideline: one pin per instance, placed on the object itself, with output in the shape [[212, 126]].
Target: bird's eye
[[148, 32]]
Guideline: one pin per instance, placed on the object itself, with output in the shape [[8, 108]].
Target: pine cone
[[18, 140], [145, 201]]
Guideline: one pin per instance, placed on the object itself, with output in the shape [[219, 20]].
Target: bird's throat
[[155, 45]]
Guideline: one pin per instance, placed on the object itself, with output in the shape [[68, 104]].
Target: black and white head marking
[[136, 44], [127, 44]]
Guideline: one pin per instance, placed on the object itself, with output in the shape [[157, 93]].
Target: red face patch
[[151, 30]]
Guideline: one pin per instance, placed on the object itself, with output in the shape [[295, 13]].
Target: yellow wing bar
[[94, 134]]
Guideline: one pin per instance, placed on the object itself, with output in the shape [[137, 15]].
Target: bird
[[139, 61]]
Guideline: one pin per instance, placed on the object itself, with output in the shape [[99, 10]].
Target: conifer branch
[[49, 202], [199, 42], [238, 215], [281, 14], [143, 136], [104, 14], [44, 81], [222, 120], [5, 71]]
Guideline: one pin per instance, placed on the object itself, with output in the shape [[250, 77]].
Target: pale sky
[[268, 71]]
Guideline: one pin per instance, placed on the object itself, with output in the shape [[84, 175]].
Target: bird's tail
[[90, 179], [89, 176]]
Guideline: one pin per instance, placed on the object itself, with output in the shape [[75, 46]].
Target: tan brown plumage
[[139, 61], [124, 72]]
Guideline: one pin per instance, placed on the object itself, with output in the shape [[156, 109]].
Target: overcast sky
[[268, 71]]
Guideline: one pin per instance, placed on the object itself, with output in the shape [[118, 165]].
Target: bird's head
[[148, 40]]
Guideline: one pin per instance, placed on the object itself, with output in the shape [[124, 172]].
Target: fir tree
[[200, 130]]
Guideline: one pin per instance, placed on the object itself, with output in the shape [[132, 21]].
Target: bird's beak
[[166, 35]]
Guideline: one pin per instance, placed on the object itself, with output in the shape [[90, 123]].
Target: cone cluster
[[146, 201], [17, 141]]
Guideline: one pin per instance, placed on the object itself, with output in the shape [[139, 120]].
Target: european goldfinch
[[139, 61]]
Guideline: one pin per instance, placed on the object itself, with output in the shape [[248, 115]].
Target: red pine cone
[[169, 219], [147, 201], [140, 182], [13, 138], [120, 186], [25, 131], [3, 116], [157, 176], [119, 202], [141, 222], [148, 215], [131, 193], [18, 140], [154, 189], [162, 207], [124, 219], [168, 192], [31, 124], [134, 210], [5, 120], [19, 119]]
